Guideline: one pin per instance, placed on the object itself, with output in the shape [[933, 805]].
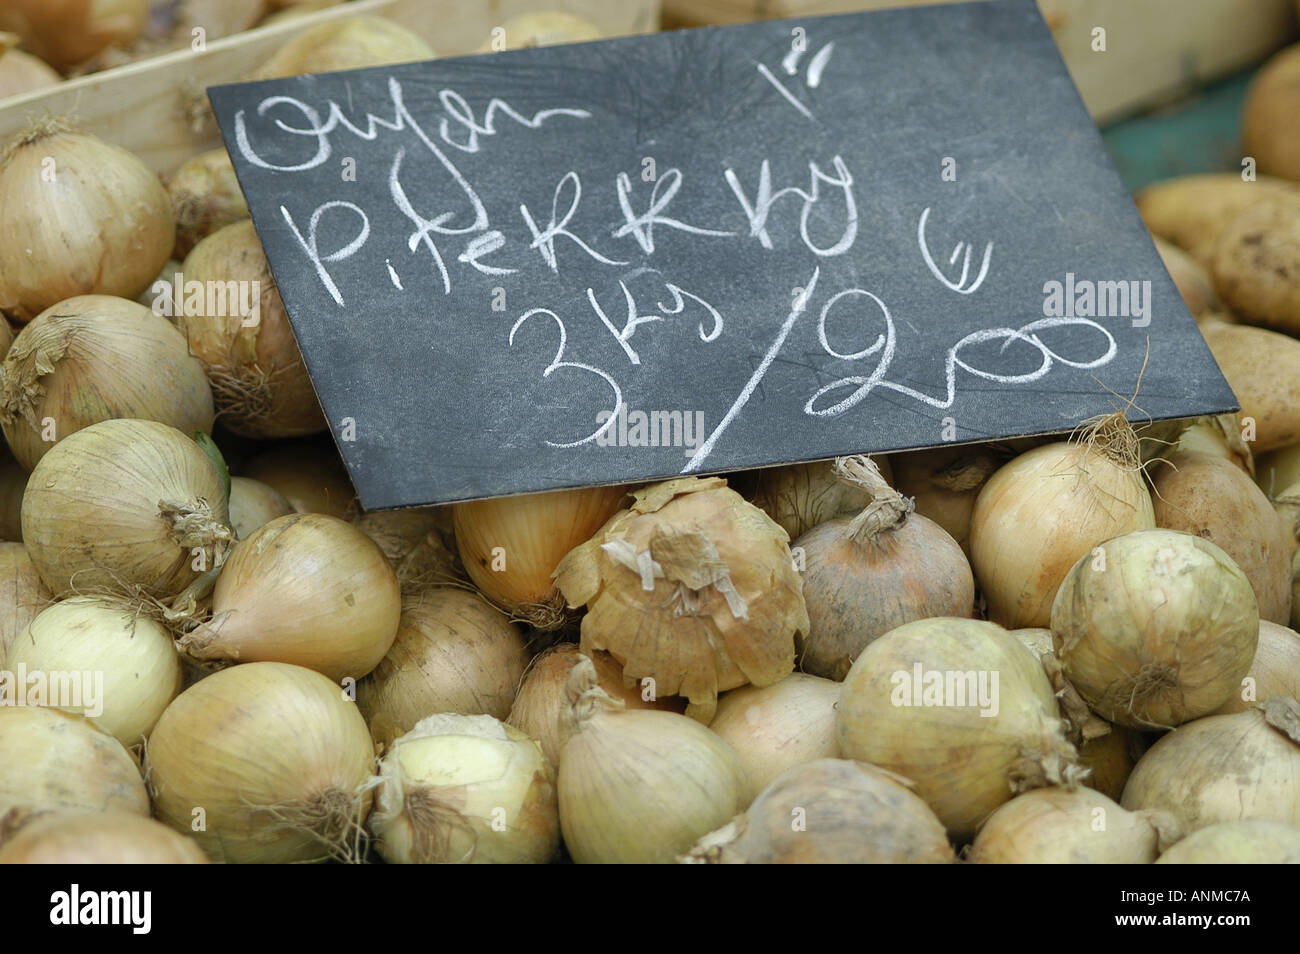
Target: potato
[[1191, 210], [1263, 370], [1270, 116], [1193, 281], [1256, 266]]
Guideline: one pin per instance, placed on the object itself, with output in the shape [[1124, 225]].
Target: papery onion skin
[[1275, 670], [277, 758], [944, 482], [800, 496], [205, 197], [254, 504], [830, 811], [1235, 843], [110, 838], [22, 594], [347, 44]]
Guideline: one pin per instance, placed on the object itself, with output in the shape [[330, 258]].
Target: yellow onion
[[780, 726], [21, 72], [254, 504], [102, 225], [125, 503], [640, 786], [348, 44], [1043, 511], [1214, 499], [58, 762], [110, 838], [453, 653], [205, 197], [542, 708], [22, 594], [465, 789], [867, 574], [1156, 628], [544, 28], [1237, 843], [309, 475], [1109, 759], [962, 709], [944, 482], [830, 811], [1081, 826], [94, 358], [692, 587], [306, 589], [1217, 436], [510, 546], [419, 542], [64, 32], [136, 670], [263, 762], [800, 496], [1275, 670], [260, 382], [13, 483], [152, 295], [1225, 768]]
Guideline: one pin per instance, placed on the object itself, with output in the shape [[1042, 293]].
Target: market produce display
[[210, 653]]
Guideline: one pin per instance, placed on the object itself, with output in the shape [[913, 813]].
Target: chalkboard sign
[[707, 250]]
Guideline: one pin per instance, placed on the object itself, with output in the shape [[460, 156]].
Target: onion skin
[[254, 504], [205, 197], [945, 482], [22, 594], [1110, 759], [111, 838], [847, 813], [1275, 670], [21, 72], [800, 496], [95, 358], [348, 44], [1237, 843]]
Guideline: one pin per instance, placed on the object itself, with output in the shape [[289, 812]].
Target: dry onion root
[[800, 496], [125, 504], [510, 546], [108, 838], [205, 197], [254, 504], [944, 483], [94, 358], [465, 789], [638, 786], [306, 589], [830, 811], [692, 587], [348, 44], [868, 574], [1237, 843], [22, 594], [1275, 670], [962, 709], [102, 226], [264, 762]]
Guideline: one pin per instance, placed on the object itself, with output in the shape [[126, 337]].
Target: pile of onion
[[108, 838], [348, 44], [125, 504], [1156, 628], [264, 762], [309, 474], [306, 589], [1043, 511], [830, 811], [22, 594], [205, 197], [961, 708], [1237, 843], [944, 483], [94, 358], [21, 72], [465, 789], [65, 32], [800, 496], [867, 574], [1275, 670], [254, 504], [691, 586], [510, 546], [640, 786], [103, 226]]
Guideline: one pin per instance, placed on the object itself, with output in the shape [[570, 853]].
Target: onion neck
[[888, 509]]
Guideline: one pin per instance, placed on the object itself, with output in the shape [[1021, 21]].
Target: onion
[[800, 496], [348, 44], [94, 358], [867, 574], [110, 838], [1214, 499], [254, 504], [1039, 514], [1287, 507], [830, 811], [1237, 843], [1192, 281], [125, 503], [58, 762], [692, 587], [135, 668], [780, 726], [105, 229], [306, 589], [542, 708], [1217, 436], [453, 653], [1225, 768], [64, 32], [257, 373], [419, 543], [22, 594], [639, 786], [944, 482], [962, 709], [310, 476], [545, 28], [13, 483], [510, 545], [21, 72], [1079, 826], [1278, 469], [205, 197], [1275, 670], [1156, 628], [461, 788], [263, 762]]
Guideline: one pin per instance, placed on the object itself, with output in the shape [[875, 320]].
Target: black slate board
[[434, 396]]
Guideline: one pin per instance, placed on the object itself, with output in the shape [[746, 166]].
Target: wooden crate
[[1156, 49], [156, 108]]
